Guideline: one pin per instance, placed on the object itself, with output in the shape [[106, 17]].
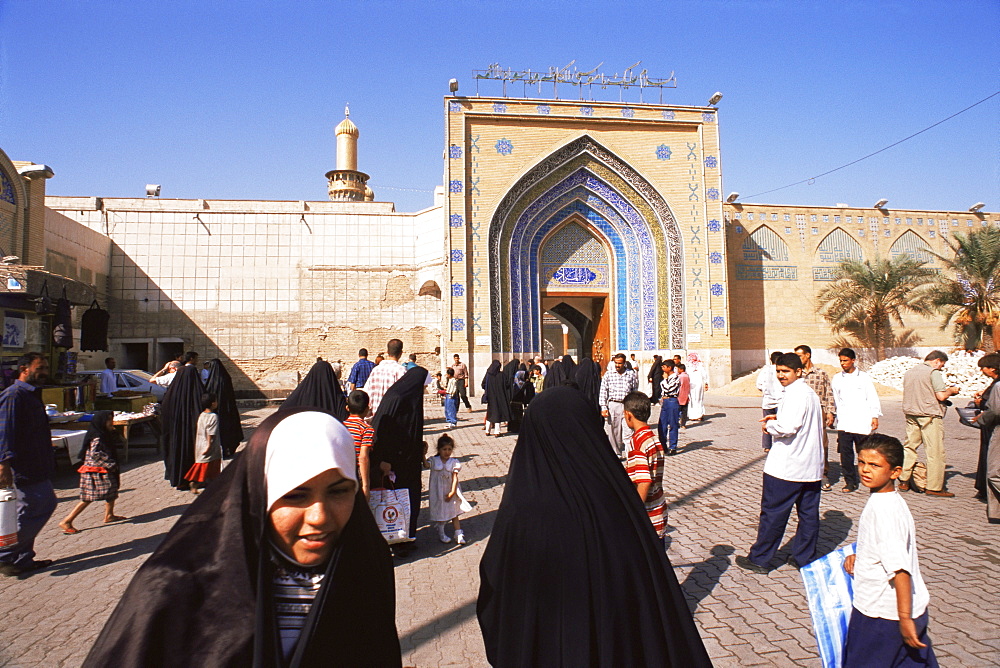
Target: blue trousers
[[36, 503], [872, 641], [451, 408], [765, 438], [776, 501], [847, 445], [670, 421]]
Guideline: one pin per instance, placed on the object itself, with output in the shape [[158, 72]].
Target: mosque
[[580, 227]]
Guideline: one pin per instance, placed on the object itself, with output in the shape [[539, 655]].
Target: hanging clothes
[[94, 328], [62, 324]]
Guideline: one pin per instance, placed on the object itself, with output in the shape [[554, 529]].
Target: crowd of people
[[283, 537]]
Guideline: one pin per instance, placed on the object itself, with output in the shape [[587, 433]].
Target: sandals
[[70, 530]]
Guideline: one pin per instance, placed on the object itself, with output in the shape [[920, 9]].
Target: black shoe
[[671, 453], [747, 565], [36, 565]]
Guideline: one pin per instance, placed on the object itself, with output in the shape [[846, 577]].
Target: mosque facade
[[562, 226]]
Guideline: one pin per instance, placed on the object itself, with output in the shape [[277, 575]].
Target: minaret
[[346, 183]]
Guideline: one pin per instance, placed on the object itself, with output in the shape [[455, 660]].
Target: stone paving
[[52, 617]]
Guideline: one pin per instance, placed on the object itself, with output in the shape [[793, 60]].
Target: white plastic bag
[[830, 591], [391, 508], [8, 516]]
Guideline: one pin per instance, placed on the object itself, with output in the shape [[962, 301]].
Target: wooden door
[[601, 348]]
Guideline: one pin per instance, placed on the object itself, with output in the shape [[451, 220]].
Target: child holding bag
[[445, 496]]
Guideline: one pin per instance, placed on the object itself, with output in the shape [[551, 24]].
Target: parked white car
[[136, 380]]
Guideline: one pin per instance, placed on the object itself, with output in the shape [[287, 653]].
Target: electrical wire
[[411, 190], [854, 162]]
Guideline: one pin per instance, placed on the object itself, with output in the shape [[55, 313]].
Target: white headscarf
[[301, 447]]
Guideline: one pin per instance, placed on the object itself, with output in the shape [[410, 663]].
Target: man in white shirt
[[767, 383], [858, 411], [108, 383], [792, 471]]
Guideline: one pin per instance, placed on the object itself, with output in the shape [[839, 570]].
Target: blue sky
[[238, 100]]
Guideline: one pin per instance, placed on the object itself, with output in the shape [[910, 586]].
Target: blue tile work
[[668, 115], [6, 189], [544, 109], [712, 194], [454, 152], [708, 117], [455, 186], [716, 289], [455, 107], [456, 220], [911, 245], [711, 162], [628, 112], [663, 152], [624, 229], [718, 322], [714, 225], [458, 324], [839, 246], [573, 257], [499, 108], [587, 111], [457, 290], [504, 146], [457, 255], [756, 272], [765, 244], [715, 257]]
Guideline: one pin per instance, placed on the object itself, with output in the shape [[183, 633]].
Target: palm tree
[[867, 298], [967, 294]]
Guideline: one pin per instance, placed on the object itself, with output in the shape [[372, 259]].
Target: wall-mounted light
[[453, 85], [733, 196], [152, 190], [714, 100], [977, 206], [881, 203]]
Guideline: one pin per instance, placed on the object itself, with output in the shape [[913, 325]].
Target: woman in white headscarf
[[699, 383], [279, 563]]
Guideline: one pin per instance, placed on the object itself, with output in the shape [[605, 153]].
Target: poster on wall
[[14, 330]]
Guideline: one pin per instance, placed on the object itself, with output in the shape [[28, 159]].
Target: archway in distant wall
[[601, 200]]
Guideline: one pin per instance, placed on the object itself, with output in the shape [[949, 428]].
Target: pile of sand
[[746, 386]]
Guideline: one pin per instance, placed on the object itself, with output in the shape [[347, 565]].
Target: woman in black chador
[[498, 391], [574, 574], [320, 389], [278, 564], [220, 383], [179, 413], [588, 380]]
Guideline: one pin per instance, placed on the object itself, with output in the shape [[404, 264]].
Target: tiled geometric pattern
[[708, 117], [756, 272], [839, 246], [765, 244], [715, 257], [628, 112], [456, 220], [712, 194], [586, 111], [457, 290], [663, 152], [457, 255], [713, 225], [455, 107], [911, 245], [457, 324], [504, 146], [669, 115], [499, 108], [711, 162], [455, 186], [6, 189], [573, 258], [454, 152], [717, 290], [544, 109]]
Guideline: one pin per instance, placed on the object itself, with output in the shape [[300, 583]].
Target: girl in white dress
[[446, 499]]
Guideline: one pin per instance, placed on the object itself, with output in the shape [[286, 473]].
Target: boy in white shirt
[[858, 411], [889, 622], [767, 383], [792, 471]]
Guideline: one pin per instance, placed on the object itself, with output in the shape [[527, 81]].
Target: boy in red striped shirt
[[645, 460], [361, 431]]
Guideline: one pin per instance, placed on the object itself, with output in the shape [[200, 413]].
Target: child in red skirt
[[207, 449], [99, 475]]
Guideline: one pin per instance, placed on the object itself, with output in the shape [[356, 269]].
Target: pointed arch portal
[[587, 184]]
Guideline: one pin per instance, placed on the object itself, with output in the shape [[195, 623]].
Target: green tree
[[967, 292], [868, 298]]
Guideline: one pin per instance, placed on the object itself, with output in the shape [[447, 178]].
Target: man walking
[[792, 471], [819, 381], [670, 411], [27, 459], [615, 384], [385, 374], [360, 371], [462, 379], [858, 410], [108, 383], [924, 394], [767, 383]]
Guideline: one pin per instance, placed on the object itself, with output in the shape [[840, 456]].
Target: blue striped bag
[[830, 591]]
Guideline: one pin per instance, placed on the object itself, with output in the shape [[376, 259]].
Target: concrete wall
[[269, 286]]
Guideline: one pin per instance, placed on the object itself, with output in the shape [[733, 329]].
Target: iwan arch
[[599, 219]]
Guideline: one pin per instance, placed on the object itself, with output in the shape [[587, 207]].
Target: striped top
[[671, 385], [645, 464], [294, 592], [361, 432]]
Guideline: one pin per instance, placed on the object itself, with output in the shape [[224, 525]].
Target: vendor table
[[71, 439], [127, 423]]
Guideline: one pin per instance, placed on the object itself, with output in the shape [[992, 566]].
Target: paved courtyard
[[51, 618]]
